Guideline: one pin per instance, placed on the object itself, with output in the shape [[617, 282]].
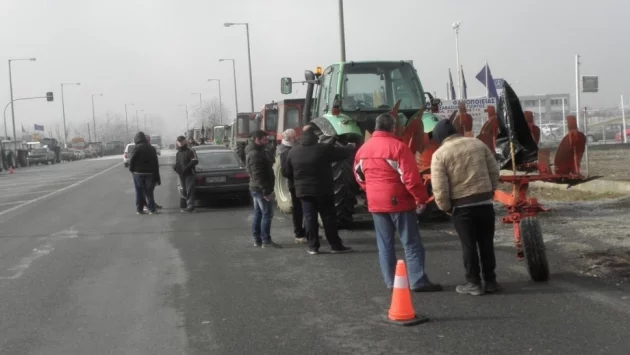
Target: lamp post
[[94, 117], [342, 34], [235, 92], [459, 70], [220, 102], [63, 108], [126, 119], [249, 56], [186, 106], [11, 89]]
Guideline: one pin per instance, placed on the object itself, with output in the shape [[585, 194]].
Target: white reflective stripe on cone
[[401, 282]]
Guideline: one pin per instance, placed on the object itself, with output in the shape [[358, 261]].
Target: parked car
[[67, 154], [606, 133], [127, 154], [619, 137], [79, 154], [41, 156], [220, 173], [158, 149]]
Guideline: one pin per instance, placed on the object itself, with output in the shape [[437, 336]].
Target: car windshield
[[373, 86], [218, 160], [39, 151]]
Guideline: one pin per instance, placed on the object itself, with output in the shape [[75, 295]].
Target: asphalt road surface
[[81, 273]]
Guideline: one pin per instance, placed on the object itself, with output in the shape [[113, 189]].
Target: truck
[[244, 125], [156, 139], [13, 154], [342, 103]]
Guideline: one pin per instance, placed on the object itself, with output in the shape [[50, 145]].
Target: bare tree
[[211, 114]]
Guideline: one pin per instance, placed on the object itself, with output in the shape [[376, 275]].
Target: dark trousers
[[325, 206], [298, 216], [475, 227], [144, 191], [188, 189]]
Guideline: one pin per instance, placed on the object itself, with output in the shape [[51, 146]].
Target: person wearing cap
[[386, 170], [288, 140], [185, 162], [464, 175]]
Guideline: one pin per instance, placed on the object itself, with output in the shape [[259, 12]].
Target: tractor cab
[[242, 128]]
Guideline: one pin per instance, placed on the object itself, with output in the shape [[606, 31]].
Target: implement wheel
[[283, 195], [534, 248]]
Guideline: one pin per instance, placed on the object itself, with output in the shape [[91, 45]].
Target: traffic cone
[[11, 170], [401, 311]]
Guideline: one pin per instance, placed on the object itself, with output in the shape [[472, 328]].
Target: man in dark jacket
[[309, 165], [259, 165], [144, 167], [185, 162], [288, 140]]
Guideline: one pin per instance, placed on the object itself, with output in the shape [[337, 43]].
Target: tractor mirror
[[286, 86]]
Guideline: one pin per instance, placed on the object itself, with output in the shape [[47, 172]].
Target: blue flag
[[450, 80], [38, 128], [464, 93], [490, 85]]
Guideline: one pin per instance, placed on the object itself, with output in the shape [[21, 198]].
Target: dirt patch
[[613, 263], [552, 194]]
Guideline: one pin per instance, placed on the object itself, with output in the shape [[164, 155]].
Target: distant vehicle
[[158, 149], [127, 154], [171, 146], [79, 154], [220, 172], [67, 154], [619, 137], [156, 139], [41, 156], [607, 133]]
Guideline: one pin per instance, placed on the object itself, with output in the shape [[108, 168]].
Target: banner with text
[[475, 107]]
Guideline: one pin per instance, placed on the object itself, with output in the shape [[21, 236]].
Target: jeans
[[261, 223], [188, 189], [475, 227], [144, 191], [386, 225], [325, 206], [297, 215]]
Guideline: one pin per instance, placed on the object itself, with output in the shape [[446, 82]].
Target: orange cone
[[11, 170], [401, 311]]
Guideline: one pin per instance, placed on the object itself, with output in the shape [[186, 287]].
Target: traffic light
[[49, 96]]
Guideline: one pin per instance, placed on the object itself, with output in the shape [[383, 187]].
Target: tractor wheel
[[534, 248], [283, 195], [345, 189], [240, 150]]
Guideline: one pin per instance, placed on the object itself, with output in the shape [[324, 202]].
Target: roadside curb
[[597, 186]]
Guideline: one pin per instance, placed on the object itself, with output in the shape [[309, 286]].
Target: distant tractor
[[277, 117], [344, 108], [242, 128], [53, 145]]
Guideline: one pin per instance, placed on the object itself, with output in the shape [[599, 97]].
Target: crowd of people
[[464, 175]]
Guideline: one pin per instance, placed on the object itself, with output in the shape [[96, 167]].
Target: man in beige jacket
[[464, 175]]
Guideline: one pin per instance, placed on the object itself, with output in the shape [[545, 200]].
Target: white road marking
[[58, 190], [33, 186], [12, 203], [28, 193], [40, 251]]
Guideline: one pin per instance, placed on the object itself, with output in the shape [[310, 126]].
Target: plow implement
[[514, 138]]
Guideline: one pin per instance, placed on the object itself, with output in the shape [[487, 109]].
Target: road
[[81, 273]]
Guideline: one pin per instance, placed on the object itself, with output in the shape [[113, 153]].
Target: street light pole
[[235, 91], [94, 117], [137, 122], [187, 129], [63, 108], [220, 102], [459, 70], [127, 120], [11, 90], [342, 34], [249, 57]]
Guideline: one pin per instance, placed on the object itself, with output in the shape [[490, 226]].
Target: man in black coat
[[145, 169], [309, 165], [259, 165], [288, 141], [185, 162]]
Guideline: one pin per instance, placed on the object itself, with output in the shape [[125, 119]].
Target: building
[[547, 108]]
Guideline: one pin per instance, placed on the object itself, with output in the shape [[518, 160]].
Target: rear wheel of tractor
[[283, 195], [534, 248], [240, 150]]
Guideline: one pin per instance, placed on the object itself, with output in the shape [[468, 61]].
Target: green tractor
[[348, 98]]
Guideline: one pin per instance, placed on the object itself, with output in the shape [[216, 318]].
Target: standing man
[[185, 162], [259, 165], [309, 164], [386, 170], [144, 166], [288, 140], [464, 175]]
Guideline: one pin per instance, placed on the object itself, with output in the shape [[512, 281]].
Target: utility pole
[[89, 134], [623, 117], [342, 34], [577, 89], [459, 69], [94, 117]]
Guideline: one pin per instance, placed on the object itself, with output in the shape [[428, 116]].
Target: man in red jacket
[[386, 169]]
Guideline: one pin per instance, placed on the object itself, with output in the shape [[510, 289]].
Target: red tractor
[[242, 128], [277, 117]]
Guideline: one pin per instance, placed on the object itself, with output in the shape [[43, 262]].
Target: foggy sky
[[155, 53]]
